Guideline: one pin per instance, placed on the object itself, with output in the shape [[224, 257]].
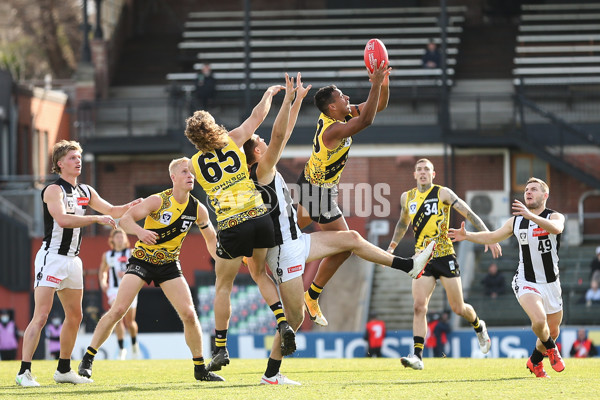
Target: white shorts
[[287, 261], [57, 271], [551, 293], [111, 294]]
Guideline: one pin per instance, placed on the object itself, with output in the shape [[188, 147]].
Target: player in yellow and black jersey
[[244, 227], [338, 122], [428, 208], [169, 216]]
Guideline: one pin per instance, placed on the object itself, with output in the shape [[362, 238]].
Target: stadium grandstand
[[517, 94]]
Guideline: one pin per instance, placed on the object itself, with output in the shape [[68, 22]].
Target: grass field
[[364, 379]]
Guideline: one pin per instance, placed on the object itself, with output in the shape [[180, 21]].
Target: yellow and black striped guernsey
[[171, 222], [430, 217], [224, 176], [325, 166]]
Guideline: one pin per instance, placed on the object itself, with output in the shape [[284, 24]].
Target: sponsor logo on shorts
[[295, 268], [53, 279], [531, 289], [83, 201], [539, 232]]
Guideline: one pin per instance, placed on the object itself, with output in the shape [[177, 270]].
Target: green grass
[[364, 379]]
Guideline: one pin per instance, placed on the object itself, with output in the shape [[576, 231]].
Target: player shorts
[[152, 272], [287, 261], [446, 266], [58, 271], [111, 294], [320, 202], [551, 293], [241, 240]]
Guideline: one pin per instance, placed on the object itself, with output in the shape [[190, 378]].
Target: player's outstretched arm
[[367, 110], [266, 166], [243, 132], [449, 197]]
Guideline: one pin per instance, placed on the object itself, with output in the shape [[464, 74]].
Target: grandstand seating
[[318, 43], [249, 312], [558, 45]]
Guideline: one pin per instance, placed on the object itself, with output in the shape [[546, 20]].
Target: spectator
[[374, 336], [583, 347], [205, 87], [441, 332], [431, 58], [53, 336], [595, 267], [592, 296], [9, 337], [493, 282]]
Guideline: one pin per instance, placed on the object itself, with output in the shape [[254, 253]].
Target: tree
[[44, 36]]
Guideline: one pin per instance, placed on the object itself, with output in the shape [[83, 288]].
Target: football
[[375, 52]]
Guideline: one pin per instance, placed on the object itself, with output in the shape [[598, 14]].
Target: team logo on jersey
[[70, 206], [165, 217], [412, 207], [539, 232], [523, 236], [83, 201]]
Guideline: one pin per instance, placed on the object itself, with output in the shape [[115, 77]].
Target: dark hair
[[249, 147], [323, 97]]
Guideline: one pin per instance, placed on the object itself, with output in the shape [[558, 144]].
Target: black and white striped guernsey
[[538, 250], [276, 197], [65, 241], [117, 262]]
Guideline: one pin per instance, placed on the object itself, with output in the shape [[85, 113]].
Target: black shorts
[[443, 266], [321, 203], [242, 239], [152, 272]]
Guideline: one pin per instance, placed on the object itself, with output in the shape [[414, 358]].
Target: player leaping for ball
[[338, 122], [294, 248]]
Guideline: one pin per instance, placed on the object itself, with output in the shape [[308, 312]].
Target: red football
[[375, 52]]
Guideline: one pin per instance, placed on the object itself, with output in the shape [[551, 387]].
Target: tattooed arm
[[402, 225], [449, 197]]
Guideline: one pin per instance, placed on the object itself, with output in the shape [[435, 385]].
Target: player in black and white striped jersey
[[536, 283], [57, 265]]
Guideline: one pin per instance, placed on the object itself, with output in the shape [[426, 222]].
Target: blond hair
[[204, 133], [543, 184], [174, 164], [60, 150]]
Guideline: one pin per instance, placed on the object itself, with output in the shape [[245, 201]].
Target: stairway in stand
[[391, 298]]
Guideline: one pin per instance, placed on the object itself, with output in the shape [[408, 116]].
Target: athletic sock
[[475, 324], [64, 365], [220, 339], [272, 367], [133, 340], [403, 264], [121, 343], [199, 364], [314, 291], [25, 365], [277, 309], [536, 356], [90, 353], [549, 344], [419, 345]]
